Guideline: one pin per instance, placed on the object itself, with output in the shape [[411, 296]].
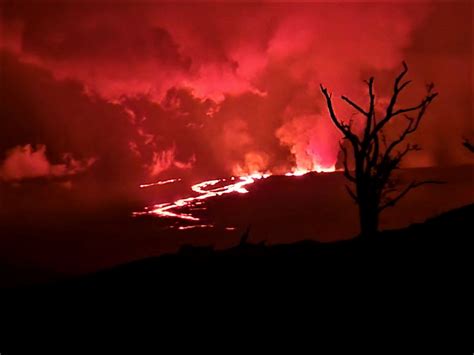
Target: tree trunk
[[368, 211], [368, 219]]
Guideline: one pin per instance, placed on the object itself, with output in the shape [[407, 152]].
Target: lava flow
[[181, 208]]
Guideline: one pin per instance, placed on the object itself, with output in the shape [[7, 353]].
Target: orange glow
[[317, 168], [196, 226], [322, 169], [164, 182], [166, 209], [209, 189]]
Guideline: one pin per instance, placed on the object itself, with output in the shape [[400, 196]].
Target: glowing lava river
[[182, 208]]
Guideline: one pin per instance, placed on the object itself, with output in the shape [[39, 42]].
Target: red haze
[[162, 90]]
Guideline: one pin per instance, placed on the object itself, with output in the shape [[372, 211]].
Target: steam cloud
[[166, 89], [26, 162]]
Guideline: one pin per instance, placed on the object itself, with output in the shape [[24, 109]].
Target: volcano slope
[[436, 252]]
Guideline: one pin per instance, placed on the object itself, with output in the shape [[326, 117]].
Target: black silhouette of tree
[[373, 156]]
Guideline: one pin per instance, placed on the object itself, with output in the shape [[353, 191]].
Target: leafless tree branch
[[353, 104], [390, 113], [345, 129], [351, 193], [392, 202], [374, 158], [347, 173]]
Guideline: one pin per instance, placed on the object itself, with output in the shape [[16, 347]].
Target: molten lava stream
[[181, 209]]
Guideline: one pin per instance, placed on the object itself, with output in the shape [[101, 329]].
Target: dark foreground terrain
[[41, 242], [438, 250], [416, 280]]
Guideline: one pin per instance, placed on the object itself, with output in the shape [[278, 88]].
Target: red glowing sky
[[98, 97]]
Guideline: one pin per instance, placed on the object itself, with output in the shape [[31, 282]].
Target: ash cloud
[[159, 90], [27, 162]]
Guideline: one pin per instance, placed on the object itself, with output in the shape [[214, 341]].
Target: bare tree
[[374, 157]]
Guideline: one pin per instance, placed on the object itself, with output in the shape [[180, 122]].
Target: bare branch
[[422, 105], [370, 146], [393, 201], [347, 173], [404, 85], [397, 89], [413, 123], [390, 113], [371, 113], [408, 148], [352, 194], [402, 74], [375, 153], [344, 128], [353, 104], [387, 191]]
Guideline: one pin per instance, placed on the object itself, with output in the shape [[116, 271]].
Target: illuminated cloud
[[165, 160], [231, 87], [26, 162]]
